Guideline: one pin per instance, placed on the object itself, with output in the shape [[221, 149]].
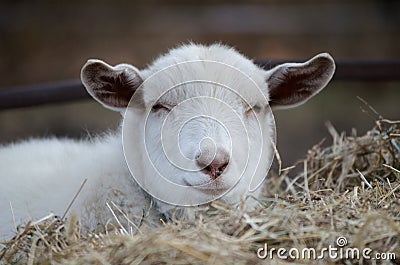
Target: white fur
[[39, 176]]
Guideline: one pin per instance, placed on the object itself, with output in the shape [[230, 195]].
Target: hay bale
[[350, 189]]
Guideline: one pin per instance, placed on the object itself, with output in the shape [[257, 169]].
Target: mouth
[[215, 187]]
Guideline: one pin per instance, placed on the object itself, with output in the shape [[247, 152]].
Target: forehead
[[192, 79]]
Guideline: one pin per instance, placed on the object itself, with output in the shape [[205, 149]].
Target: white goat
[[185, 142]]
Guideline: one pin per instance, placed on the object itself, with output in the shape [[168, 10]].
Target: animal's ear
[[112, 86], [292, 84]]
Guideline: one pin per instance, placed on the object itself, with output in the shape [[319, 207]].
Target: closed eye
[[256, 108], [160, 107]]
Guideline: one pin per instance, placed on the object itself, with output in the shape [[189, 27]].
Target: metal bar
[[72, 90], [40, 94]]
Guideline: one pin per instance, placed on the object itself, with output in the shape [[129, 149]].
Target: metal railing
[[72, 90]]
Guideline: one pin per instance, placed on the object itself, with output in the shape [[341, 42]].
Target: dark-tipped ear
[[292, 84], [111, 86]]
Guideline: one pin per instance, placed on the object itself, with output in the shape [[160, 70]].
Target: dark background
[[47, 41]]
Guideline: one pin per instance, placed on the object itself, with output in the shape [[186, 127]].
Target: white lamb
[[198, 128]]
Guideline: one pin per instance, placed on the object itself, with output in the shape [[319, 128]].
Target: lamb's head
[[197, 122]]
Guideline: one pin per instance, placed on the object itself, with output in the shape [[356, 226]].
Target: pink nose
[[216, 167]]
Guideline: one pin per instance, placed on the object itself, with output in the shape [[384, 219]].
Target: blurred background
[[49, 41]]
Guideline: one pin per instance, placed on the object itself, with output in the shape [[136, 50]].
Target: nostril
[[215, 169], [213, 166], [221, 169]]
